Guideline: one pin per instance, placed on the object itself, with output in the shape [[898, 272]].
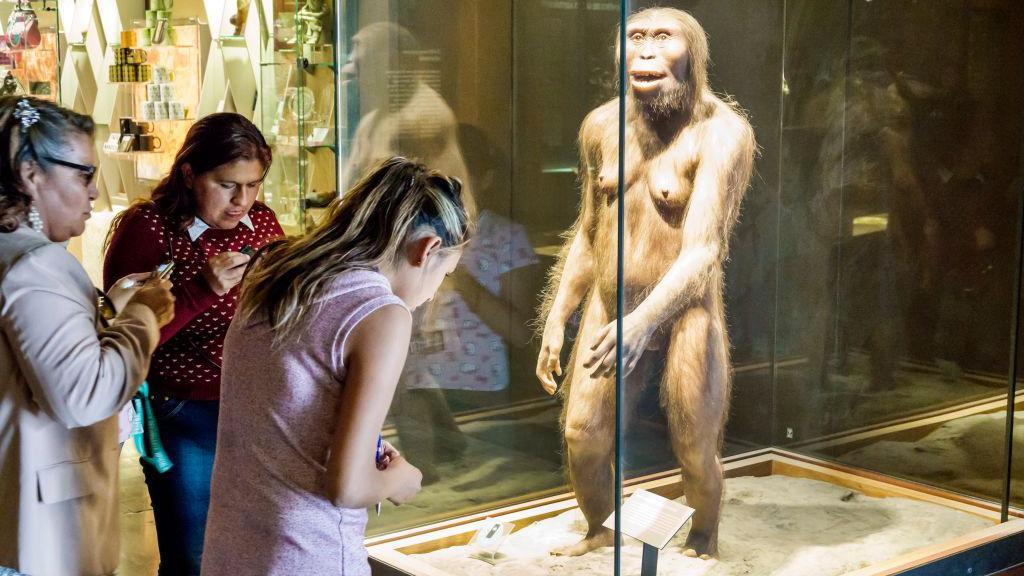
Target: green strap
[[146, 433]]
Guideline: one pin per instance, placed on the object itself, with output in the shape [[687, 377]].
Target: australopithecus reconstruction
[[689, 156]]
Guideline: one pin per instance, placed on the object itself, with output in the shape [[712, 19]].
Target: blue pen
[[380, 454]]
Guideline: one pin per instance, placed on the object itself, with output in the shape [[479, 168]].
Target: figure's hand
[[601, 359], [224, 271], [549, 360], [123, 290]]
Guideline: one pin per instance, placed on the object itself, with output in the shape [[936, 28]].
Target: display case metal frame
[[299, 114]]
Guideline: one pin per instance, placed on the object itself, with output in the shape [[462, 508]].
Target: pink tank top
[[278, 414]]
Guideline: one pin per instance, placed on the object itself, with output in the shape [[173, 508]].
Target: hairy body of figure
[[689, 156]]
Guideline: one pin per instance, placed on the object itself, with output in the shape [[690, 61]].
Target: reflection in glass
[[865, 295], [899, 218], [468, 411], [402, 112]]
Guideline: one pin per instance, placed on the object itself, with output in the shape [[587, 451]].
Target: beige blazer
[[63, 378]]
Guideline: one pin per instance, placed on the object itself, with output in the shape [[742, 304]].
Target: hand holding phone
[[224, 271], [125, 288], [156, 294], [163, 271]]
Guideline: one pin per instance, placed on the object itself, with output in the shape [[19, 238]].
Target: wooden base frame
[[393, 553]]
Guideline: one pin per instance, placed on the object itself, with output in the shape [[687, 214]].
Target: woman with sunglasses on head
[[204, 218], [70, 357]]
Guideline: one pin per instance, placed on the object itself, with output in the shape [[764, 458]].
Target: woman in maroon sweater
[[202, 216]]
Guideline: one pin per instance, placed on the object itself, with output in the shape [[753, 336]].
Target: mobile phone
[[163, 271], [248, 251]]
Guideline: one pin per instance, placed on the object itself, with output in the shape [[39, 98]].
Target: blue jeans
[[181, 496]]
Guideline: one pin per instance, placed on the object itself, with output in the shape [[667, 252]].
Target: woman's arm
[[77, 374], [138, 245], [374, 356]]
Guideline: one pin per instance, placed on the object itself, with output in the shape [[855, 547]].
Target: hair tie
[[26, 114]]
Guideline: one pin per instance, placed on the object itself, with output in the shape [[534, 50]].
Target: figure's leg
[[451, 443], [695, 395], [413, 412], [885, 334], [589, 422]]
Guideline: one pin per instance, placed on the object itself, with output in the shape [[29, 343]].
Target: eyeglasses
[[89, 171]]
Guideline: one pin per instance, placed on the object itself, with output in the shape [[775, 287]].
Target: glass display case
[[298, 75], [820, 241], [156, 73], [820, 244], [28, 49]]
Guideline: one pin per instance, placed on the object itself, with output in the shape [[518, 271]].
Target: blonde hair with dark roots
[[366, 228]]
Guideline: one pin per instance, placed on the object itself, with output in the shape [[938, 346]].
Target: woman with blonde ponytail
[[311, 362]]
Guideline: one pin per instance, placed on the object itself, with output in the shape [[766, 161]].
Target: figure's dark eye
[[636, 37], [662, 37]]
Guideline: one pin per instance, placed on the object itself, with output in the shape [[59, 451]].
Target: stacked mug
[[129, 62], [158, 28], [160, 103], [140, 134]]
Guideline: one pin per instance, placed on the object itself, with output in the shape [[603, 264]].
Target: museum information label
[[650, 518], [490, 536]]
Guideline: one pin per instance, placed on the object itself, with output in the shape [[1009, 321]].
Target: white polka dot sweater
[[187, 362]]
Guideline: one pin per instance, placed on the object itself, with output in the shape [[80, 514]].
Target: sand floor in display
[[966, 455], [774, 525]]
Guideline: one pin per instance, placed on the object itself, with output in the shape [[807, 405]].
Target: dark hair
[[213, 141], [47, 136]]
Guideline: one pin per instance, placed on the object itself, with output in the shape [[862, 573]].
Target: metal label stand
[[649, 564]]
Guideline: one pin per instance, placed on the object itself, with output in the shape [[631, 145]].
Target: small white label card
[[650, 518], [111, 145], [490, 537], [317, 137]]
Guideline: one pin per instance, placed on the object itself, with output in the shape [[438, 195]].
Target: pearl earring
[[35, 220]]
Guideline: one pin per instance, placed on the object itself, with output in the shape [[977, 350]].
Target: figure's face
[[225, 194], [351, 68], [63, 194], [657, 57]]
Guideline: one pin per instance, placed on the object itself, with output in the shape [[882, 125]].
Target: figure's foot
[[599, 540], [450, 446], [700, 546]]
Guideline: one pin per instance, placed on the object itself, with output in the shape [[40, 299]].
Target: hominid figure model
[[689, 158]]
